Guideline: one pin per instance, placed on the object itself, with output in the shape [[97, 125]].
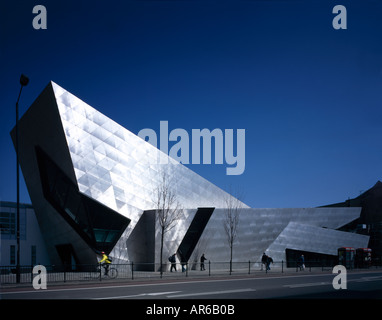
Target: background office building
[[92, 184], [32, 245]]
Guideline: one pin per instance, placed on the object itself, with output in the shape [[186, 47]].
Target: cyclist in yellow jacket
[[105, 262]]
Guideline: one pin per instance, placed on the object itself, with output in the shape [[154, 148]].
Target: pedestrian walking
[[172, 259], [183, 261], [263, 260], [202, 259], [301, 262], [269, 261]]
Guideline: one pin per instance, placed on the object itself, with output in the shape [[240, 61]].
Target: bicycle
[[111, 274]]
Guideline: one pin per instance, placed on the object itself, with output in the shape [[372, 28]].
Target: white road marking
[[209, 293], [137, 295], [301, 285], [377, 278]]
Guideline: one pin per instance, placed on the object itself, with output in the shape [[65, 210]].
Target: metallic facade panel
[[105, 155], [117, 168], [310, 238], [261, 230]]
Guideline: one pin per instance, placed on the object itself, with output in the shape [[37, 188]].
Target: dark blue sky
[[309, 96]]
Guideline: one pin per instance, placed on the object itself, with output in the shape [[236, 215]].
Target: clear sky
[[308, 96]]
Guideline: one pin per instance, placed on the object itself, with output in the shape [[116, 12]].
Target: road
[[361, 285]]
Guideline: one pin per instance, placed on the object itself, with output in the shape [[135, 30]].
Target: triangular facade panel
[[106, 171]]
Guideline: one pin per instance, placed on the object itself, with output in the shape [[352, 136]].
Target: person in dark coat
[[269, 261], [202, 259], [301, 262], [263, 260], [172, 259]]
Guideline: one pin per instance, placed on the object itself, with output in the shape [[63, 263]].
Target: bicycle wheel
[[113, 273]]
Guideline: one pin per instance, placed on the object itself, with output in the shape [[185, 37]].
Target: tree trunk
[[161, 253], [230, 261]]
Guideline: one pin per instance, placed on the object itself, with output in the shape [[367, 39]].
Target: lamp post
[[23, 81]]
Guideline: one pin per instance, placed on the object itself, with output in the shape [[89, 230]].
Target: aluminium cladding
[[111, 166]]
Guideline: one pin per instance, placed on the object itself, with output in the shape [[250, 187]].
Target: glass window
[[96, 223], [12, 255], [103, 235], [7, 223]]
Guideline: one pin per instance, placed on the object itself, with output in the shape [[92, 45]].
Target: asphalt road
[[360, 285], [303, 295]]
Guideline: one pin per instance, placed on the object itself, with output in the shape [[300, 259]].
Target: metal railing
[[131, 271]]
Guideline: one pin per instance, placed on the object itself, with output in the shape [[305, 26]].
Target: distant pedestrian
[[202, 259], [301, 263], [263, 260], [183, 261], [269, 261], [172, 259]]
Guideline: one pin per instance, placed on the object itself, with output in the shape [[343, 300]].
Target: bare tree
[[167, 208], [231, 220]]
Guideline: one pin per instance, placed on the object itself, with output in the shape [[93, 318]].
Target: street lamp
[[23, 81]]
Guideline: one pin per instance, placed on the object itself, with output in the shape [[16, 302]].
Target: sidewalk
[[87, 278]]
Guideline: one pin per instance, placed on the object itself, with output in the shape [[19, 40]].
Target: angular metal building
[[92, 184]]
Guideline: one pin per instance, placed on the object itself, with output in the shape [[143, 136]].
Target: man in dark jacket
[[269, 261], [202, 259], [172, 259], [263, 260]]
